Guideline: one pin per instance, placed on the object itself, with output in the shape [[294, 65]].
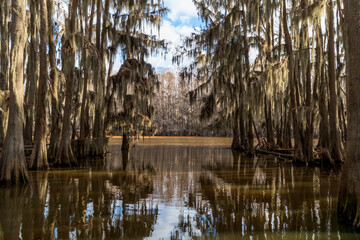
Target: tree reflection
[[258, 196], [73, 204], [188, 191], [11, 200]]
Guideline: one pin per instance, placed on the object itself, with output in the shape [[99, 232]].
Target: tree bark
[[298, 151], [349, 195], [335, 147], [55, 105], [308, 144], [4, 60], [12, 163], [39, 153], [128, 107], [250, 133], [269, 127], [324, 137], [65, 156], [236, 138], [99, 75], [32, 73], [84, 127]]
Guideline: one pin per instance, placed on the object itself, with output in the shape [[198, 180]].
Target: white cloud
[[173, 35], [182, 10]]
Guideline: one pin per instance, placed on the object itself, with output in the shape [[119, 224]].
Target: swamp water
[[175, 188]]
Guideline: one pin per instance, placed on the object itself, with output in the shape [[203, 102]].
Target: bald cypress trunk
[[128, 107], [12, 163], [54, 88], [84, 115], [39, 153], [65, 156], [269, 56], [250, 133], [99, 81], [236, 137], [349, 195], [335, 147], [4, 62], [298, 151], [324, 137], [236, 143], [32, 73], [308, 143]]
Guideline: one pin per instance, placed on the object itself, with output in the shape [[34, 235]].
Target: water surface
[[175, 188]]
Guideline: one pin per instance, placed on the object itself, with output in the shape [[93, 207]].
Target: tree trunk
[[250, 133], [65, 156], [127, 104], [125, 142], [84, 114], [242, 127], [55, 105], [32, 73], [39, 153], [324, 137], [4, 60], [99, 75], [298, 151], [12, 163], [335, 147], [269, 127], [349, 195], [236, 138], [287, 130], [306, 73]]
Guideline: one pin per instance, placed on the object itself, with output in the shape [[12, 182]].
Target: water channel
[[175, 188]]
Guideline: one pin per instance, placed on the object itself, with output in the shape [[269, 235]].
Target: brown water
[[175, 188]]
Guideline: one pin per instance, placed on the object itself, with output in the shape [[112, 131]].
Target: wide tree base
[[39, 159], [13, 168], [65, 157]]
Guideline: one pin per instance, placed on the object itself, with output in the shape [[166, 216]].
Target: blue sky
[[180, 21]]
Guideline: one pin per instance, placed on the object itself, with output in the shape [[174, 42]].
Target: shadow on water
[[175, 191]]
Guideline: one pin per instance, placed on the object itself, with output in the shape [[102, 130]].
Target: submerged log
[[90, 147]]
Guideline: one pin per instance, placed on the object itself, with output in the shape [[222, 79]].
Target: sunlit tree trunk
[[54, 88], [99, 76], [12, 163], [65, 156], [39, 154], [32, 73], [335, 147], [84, 118], [4, 62], [349, 195]]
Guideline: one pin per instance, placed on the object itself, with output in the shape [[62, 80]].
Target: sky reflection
[[175, 192]]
